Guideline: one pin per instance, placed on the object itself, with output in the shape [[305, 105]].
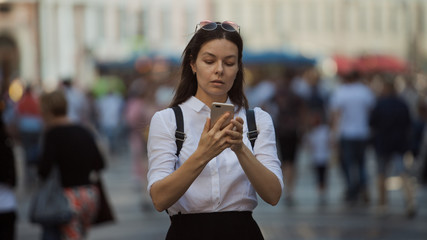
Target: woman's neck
[[208, 100]]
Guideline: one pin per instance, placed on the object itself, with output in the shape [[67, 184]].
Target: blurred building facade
[[19, 52], [326, 27], [42, 41]]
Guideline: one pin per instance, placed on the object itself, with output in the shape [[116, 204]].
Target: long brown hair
[[187, 85]]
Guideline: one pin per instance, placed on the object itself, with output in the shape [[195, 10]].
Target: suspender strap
[[252, 130], [179, 133]]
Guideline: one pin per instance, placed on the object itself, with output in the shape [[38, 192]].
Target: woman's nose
[[219, 69]]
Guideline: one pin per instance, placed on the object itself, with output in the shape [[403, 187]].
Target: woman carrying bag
[[72, 149]]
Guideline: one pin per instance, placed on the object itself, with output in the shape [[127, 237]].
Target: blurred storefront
[[19, 51], [43, 41]]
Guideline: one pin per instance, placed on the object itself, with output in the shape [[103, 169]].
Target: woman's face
[[216, 67]]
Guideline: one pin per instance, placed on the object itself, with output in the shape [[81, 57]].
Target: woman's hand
[[236, 134], [213, 141]]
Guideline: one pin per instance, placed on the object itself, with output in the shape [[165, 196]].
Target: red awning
[[380, 63], [370, 64]]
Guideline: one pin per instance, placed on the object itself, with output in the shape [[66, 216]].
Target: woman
[[210, 189], [72, 149]]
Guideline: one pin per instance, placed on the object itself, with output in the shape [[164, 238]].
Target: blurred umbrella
[[380, 63], [345, 65], [285, 58]]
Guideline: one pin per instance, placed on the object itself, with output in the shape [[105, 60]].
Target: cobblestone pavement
[[306, 219]]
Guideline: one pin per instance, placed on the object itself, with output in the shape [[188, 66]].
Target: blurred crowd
[[339, 121], [335, 120]]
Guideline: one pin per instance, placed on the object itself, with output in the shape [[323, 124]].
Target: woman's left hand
[[236, 134]]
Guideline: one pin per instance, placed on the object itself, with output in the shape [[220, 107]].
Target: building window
[[362, 19], [140, 25], [190, 22], [121, 23], [312, 16], [279, 21], [101, 22], [393, 19], [421, 18], [344, 18], [258, 22], [166, 25], [377, 17], [296, 15], [330, 17]]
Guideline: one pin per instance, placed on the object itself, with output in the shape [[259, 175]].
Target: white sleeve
[[161, 146], [265, 149]]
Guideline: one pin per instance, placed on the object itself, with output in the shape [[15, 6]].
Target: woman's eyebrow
[[213, 55]]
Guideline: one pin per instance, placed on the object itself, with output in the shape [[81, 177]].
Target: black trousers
[[212, 226], [7, 225]]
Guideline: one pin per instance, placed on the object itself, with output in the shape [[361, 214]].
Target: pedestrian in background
[[110, 108], [289, 123], [30, 126], [71, 148], [77, 110], [392, 127], [8, 203], [350, 106], [318, 142], [210, 189], [140, 108]]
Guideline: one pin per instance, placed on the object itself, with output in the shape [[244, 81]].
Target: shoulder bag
[[49, 205]]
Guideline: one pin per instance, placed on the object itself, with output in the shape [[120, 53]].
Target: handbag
[[49, 205], [104, 213]]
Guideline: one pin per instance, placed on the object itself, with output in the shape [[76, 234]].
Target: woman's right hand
[[213, 141]]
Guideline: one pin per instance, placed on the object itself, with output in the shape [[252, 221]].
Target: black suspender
[[252, 131], [180, 134]]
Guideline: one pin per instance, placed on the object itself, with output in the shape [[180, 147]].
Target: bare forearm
[[167, 191], [265, 182]]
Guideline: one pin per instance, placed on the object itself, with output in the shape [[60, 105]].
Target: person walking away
[[209, 188], [350, 106], [391, 124], [139, 110], [78, 111], [318, 143], [72, 149], [110, 109], [289, 127], [29, 125], [8, 203]]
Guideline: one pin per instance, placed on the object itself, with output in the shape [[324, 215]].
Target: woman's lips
[[217, 82]]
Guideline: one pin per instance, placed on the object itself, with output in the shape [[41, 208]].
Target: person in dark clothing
[[391, 124], [71, 148], [7, 184], [289, 129]]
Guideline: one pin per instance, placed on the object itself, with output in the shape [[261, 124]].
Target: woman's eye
[[208, 61], [229, 63]]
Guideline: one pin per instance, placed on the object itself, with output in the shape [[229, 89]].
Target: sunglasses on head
[[210, 26]]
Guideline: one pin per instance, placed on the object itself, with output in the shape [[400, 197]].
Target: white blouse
[[222, 185]]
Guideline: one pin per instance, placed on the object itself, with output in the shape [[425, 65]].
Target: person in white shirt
[[350, 106], [318, 143], [210, 189]]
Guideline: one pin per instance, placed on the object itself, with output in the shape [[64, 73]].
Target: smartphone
[[218, 109]]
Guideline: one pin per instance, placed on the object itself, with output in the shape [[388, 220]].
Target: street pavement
[[306, 219]]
